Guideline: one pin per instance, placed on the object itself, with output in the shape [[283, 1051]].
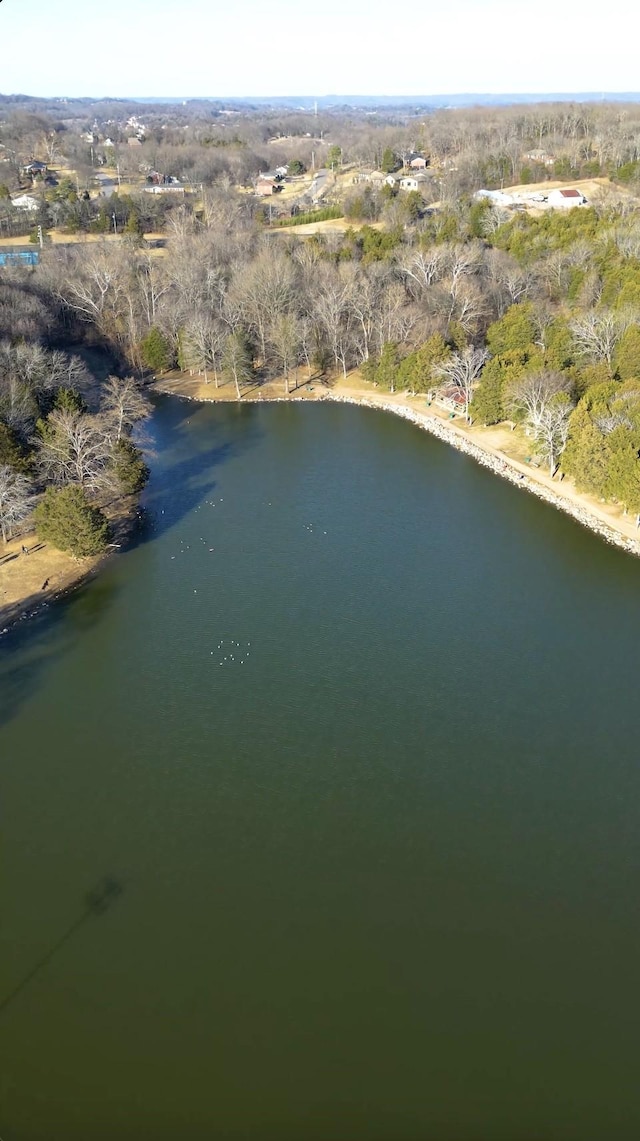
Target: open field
[[58, 238], [331, 226], [592, 188]]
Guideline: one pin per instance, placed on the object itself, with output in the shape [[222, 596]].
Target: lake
[[321, 806]]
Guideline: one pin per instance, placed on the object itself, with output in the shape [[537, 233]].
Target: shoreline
[[62, 573], [69, 574], [600, 519]]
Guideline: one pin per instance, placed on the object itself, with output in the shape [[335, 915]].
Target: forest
[[530, 319]]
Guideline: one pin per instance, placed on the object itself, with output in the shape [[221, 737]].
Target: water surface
[[379, 850]]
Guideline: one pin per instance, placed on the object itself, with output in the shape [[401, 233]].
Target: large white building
[[566, 199], [25, 202]]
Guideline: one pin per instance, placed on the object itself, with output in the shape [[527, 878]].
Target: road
[[320, 184], [107, 185]]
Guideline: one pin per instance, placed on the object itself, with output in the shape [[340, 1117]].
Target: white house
[[413, 181], [566, 199], [25, 202]]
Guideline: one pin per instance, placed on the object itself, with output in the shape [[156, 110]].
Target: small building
[[25, 202], [35, 169], [377, 177], [566, 199], [267, 186], [418, 162], [414, 182], [164, 188], [133, 141], [497, 197], [540, 157]]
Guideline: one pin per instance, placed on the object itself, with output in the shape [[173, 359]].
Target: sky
[[187, 48]]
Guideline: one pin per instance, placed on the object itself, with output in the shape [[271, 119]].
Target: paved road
[[320, 184], [107, 185]]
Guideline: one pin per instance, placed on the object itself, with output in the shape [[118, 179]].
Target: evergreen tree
[[389, 161], [586, 457], [65, 518], [416, 370], [387, 371], [12, 453], [514, 332], [627, 355], [487, 406], [129, 467], [68, 400], [155, 350]]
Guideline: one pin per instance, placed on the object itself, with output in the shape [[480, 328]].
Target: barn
[[566, 199]]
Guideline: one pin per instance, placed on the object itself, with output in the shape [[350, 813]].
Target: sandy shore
[[498, 448], [34, 574]]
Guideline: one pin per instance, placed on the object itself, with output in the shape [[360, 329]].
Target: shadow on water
[[181, 482], [186, 459], [96, 902], [29, 648]]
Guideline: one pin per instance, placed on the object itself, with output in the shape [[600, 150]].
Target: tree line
[[65, 451]]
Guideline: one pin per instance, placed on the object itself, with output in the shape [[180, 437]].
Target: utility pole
[[40, 238], [115, 223]]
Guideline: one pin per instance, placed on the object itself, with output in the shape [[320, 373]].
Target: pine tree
[[389, 161], [486, 406], [155, 350], [130, 469], [65, 518]]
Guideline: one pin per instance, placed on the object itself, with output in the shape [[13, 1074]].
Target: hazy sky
[[275, 47]]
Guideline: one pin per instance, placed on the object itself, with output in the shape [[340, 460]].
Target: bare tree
[[74, 448], [597, 334], [552, 429], [123, 404], [16, 499], [237, 360], [461, 370], [284, 339], [543, 399]]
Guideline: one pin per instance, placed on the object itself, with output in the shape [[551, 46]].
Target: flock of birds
[[229, 656], [236, 652]]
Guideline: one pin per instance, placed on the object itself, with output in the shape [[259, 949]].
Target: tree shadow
[[96, 902], [179, 484], [35, 634]]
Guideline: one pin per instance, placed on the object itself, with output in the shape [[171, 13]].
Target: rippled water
[[353, 727]]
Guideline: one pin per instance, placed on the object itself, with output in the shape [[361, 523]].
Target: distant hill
[[465, 99]]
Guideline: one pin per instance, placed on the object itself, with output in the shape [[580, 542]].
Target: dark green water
[[380, 870]]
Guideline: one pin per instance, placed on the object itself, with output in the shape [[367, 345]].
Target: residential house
[[25, 202], [414, 182], [35, 169], [540, 157], [418, 162], [267, 185]]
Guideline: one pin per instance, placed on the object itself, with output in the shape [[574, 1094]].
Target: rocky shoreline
[[500, 466]]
